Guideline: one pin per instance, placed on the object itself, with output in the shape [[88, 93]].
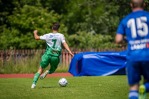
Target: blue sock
[[133, 94], [146, 87]]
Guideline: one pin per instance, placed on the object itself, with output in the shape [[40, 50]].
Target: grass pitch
[[108, 87]]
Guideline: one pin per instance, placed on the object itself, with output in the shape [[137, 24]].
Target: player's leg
[[43, 64], [47, 71], [133, 75], [36, 76], [54, 63], [44, 74], [133, 92], [144, 87]]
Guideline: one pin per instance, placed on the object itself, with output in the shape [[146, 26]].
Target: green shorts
[[47, 59]]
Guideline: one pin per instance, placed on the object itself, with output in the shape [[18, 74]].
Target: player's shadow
[[46, 87]]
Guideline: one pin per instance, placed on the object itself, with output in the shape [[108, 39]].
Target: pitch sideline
[[32, 75]]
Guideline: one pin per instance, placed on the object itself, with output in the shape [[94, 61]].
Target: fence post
[[4, 57], [65, 57]]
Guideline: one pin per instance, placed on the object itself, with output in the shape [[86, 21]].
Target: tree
[[23, 22], [58, 6], [85, 40], [95, 16], [84, 22]]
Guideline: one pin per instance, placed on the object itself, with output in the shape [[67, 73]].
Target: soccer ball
[[63, 82]]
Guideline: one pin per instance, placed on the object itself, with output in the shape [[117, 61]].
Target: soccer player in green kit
[[52, 53]]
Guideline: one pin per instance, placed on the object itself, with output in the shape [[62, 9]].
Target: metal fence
[[16, 55]]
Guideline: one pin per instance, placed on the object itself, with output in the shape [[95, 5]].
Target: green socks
[[36, 76]]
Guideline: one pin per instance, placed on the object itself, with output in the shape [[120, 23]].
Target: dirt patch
[[32, 75]]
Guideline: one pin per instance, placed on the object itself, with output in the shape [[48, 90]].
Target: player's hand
[[36, 35], [72, 54], [35, 31]]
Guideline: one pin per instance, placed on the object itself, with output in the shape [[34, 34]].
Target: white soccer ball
[[63, 82]]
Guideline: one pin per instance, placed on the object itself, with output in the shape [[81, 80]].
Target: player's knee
[[52, 70]]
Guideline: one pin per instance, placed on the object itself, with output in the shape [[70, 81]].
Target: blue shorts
[[135, 70]]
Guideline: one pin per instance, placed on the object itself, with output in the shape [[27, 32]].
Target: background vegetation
[[85, 23], [27, 63]]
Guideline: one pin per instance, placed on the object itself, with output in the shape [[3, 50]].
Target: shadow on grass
[[47, 87]]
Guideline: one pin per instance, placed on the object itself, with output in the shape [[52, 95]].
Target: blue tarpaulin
[[98, 63]]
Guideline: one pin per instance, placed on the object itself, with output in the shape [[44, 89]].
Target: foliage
[[60, 6], [23, 22], [91, 16], [85, 40], [85, 18], [21, 64], [25, 64]]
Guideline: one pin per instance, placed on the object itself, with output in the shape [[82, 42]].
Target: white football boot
[[33, 86]]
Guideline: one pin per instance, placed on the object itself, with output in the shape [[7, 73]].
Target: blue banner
[[98, 63]]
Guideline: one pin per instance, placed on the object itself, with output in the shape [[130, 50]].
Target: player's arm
[[36, 35], [67, 48], [118, 38], [120, 33]]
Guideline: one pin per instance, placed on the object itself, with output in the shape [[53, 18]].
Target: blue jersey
[[136, 28]]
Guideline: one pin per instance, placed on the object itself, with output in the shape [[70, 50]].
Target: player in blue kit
[[135, 27]]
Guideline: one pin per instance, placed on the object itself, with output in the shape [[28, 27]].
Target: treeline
[[85, 23]]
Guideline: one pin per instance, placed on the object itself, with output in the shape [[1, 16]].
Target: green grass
[[109, 87]]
